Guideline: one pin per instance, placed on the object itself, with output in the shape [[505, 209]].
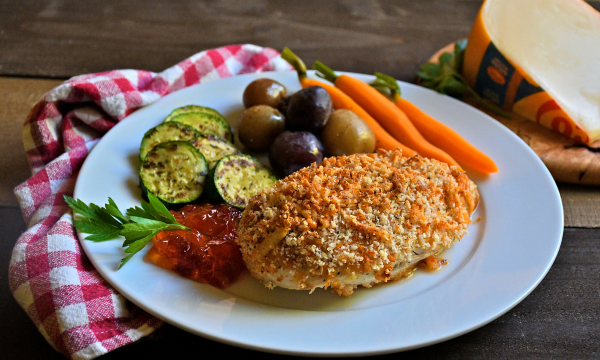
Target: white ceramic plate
[[502, 259]]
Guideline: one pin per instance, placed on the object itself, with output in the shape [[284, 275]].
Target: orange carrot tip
[[391, 118], [437, 133]]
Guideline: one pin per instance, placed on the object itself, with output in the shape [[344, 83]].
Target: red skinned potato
[[292, 151], [309, 109]]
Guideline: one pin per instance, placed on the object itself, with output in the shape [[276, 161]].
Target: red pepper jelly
[[208, 253]]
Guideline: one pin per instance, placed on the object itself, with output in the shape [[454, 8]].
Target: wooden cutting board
[[567, 160]]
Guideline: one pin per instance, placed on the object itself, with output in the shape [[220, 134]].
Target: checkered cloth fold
[[74, 308]]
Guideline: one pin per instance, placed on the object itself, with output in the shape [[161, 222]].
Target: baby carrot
[[436, 132], [342, 101], [385, 112]]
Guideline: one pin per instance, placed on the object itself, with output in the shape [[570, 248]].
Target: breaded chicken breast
[[354, 221]]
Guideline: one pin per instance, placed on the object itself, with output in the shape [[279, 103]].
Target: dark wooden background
[[57, 39]]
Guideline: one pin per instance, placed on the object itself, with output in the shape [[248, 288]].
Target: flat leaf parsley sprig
[[108, 222]]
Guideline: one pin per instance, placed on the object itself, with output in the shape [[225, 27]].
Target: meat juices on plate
[[354, 221]]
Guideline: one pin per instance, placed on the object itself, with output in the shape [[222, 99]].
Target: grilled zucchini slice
[[213, 148], [175, 172], [206, 124], [170, 131], [194, 108], [238, 177]]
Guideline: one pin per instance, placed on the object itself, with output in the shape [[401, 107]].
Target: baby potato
[[264, 92], [346, 134], [259, 126]]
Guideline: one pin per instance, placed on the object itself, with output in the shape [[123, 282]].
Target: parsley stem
[[108, 222]]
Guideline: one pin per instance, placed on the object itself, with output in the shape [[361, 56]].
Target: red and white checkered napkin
[[72, 306]]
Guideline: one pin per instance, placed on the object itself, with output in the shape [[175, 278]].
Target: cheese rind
[[539, 58]]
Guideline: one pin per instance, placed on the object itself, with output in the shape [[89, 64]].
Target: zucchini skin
[[193, 108], [206, 123], [166, 179], [237, 178], [168, 205], [211, 192], [180, 132], [214, 148]]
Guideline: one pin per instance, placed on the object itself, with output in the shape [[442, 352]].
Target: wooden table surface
[[45, 42]]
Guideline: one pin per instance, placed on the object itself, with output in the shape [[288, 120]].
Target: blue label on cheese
[[494, 75], [525, 89]]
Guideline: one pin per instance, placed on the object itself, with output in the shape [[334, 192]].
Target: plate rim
[[273, 349]]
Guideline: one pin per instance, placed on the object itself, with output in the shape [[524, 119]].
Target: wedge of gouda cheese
[[541, 59]]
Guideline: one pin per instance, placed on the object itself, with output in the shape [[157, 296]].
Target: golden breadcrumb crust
[[352, 215]]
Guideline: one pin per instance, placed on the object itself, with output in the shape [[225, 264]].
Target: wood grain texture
[[559, 319], [17, 96], [581, 205], [567, 160], [63, 38]]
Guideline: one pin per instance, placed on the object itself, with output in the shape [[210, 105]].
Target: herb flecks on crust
[[353, 220]]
